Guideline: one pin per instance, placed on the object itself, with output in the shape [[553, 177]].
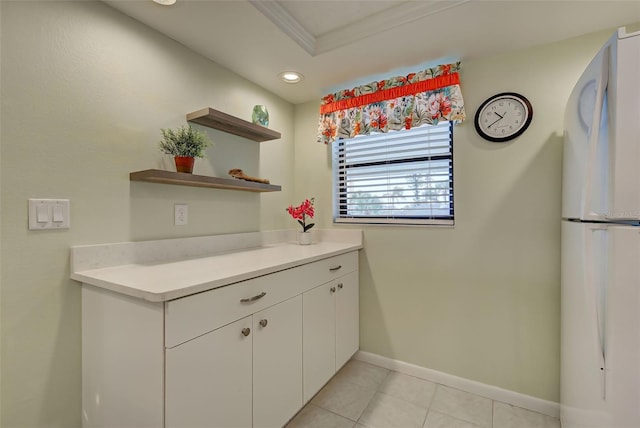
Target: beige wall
[[85, 91], [480, 300]]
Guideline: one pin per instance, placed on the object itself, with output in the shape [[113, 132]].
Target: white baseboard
[[493, 392]]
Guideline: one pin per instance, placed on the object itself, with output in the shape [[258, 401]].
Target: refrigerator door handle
[[594, 138], [598, 293]]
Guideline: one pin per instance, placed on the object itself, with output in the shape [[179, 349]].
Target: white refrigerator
[[600, 275]]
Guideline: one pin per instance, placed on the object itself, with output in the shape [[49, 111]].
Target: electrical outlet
[[181, 214]]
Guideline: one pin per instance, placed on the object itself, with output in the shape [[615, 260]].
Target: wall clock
[[503, 117]]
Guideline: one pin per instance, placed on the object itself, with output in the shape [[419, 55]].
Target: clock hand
[[501, 116], [498, 120]]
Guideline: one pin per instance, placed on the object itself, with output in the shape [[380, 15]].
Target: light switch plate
[[49, 214]]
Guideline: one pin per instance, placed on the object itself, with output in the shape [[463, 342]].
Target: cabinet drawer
[[198, 314], [333, 267]]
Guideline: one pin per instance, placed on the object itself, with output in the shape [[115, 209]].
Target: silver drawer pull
[[246, 331], [332, 290], [263, 323], [333, 269], [340, 285], [254, 298]]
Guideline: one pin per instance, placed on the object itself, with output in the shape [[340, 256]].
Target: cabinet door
[[277, 363], [208, 379], [318, 343], [347, 317]]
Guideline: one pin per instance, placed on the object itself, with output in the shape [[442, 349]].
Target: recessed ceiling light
[[291, 76], [165, 2]]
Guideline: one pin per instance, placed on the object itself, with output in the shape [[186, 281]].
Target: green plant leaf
[[184, 141]]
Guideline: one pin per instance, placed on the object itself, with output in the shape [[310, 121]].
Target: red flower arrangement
[[301, 213]]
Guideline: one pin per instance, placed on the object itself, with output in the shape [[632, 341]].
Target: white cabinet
[[209, 380], [122, 360], [277, 366], [330, 330], [318, 338], [213, 379], [227, 357], [347, 318]]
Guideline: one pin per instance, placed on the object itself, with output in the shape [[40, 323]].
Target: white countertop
[[169, 269]]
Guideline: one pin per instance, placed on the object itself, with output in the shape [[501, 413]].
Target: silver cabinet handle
[[263, 323], [340, 286], [246, 331], [332, 289], [254, 298], [333, 269]]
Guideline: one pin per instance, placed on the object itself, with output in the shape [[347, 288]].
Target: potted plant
[[301, 213], [185, 144]]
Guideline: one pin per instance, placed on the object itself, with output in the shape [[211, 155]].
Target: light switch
[[58, 213], [49, 214], [42, 213]]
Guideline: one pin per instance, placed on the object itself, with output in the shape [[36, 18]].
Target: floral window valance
[[398, 103]]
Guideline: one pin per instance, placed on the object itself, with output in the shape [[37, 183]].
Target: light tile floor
[[362, 395]]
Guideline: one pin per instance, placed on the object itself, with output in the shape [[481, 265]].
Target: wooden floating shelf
[[184, 179], [225, 122]]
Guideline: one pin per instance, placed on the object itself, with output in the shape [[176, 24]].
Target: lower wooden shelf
[[184, 179]]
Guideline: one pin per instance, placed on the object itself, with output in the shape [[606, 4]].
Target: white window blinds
[[401, 177]]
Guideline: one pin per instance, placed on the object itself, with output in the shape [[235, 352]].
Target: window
[[399, 177]]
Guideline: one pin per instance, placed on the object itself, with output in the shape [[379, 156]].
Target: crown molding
[[382, 21], [358, 30], [287, 23]]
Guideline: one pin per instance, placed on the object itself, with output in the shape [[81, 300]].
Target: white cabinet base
[[247, 355], [331, 330], [122, 360]]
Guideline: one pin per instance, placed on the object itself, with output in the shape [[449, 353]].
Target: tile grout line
[[433, 397], [493, 413], [330, 411], [346, 417], [374, 394]]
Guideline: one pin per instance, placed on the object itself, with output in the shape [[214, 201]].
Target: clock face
[[503, 117]]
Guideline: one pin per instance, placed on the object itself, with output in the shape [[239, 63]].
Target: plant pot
[[184, 164], [304, 238]]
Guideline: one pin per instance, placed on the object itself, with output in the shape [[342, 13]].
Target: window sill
[[395, 222]]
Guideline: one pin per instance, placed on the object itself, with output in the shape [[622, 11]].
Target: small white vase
[[304, 238]]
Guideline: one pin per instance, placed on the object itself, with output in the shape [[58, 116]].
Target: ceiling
[[337, 44]]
